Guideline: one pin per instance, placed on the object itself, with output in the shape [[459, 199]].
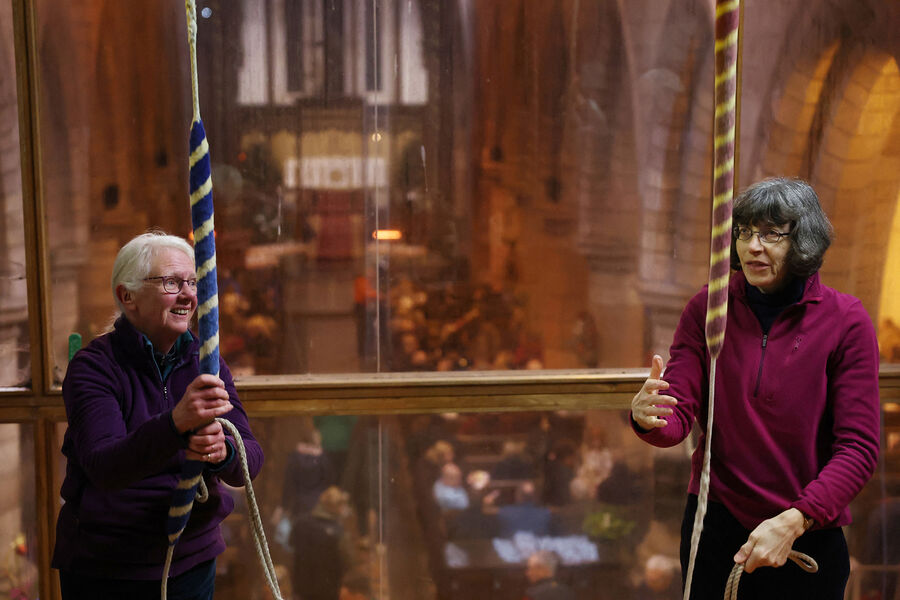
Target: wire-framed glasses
[[172, 284], [766, 237]]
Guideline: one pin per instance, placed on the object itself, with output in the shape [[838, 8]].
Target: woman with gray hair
[[796, 424], [137, 408]]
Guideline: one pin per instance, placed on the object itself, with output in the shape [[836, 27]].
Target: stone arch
[[857, 174], [676, 119], [833, 102], [793, 116], [599, 150], [810, 45], [559, 163], [888, 317]]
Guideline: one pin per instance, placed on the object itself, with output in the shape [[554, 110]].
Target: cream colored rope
[[805, 561], [259, 534]]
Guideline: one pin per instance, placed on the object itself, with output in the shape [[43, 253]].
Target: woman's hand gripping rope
[[769, 545], [804, 561], [204, 400]]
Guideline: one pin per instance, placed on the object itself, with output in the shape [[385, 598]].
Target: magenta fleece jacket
[[797, 414], [124, 458]]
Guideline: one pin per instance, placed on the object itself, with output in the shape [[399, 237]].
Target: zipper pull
[[765, 338]]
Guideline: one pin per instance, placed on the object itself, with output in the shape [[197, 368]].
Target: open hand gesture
[[648, 406]]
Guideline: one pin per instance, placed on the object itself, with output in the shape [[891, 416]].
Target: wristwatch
[[808, 521]]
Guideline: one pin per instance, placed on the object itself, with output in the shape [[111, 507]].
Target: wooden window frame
[[40, 405]]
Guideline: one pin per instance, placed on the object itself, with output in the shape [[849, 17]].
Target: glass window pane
[[114, 153], [355, 233], [18, 513], [448, 506], [873, 534], [610, 504], [15, 358], [426, 186]]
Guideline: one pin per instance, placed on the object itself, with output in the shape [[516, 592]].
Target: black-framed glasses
[[766, 237], [172, 284]]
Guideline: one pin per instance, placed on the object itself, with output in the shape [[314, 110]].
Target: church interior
[[451, 235]]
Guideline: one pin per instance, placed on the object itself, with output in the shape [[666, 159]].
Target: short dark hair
[[778, 201]]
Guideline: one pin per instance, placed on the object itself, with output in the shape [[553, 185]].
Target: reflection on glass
[[15, 359], [114, 153], [355, 232], [407, 185], [18, 516], [451, 505], [362, 503], [575, 484]]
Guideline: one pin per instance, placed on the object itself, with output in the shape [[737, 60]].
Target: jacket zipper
[[765, 337], [762, 357], [165, 388]]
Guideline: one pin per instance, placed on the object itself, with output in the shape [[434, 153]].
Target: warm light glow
[[883, 101], [387, 235], [190, 236], [889, 306]]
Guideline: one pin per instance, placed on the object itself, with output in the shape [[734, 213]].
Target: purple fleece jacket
[[796, 420], [124, 459]]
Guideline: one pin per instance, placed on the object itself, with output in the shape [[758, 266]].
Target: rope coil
[[804, 561], [259, 534]]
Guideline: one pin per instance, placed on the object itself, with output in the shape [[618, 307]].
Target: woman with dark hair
[[796, 405], [778, 202]]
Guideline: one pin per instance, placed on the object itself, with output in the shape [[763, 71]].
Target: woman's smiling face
[[160, 316], [765, 264]]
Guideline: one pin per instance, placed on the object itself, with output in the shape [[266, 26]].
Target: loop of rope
[[202, 491], [259, 534], [804, 561]]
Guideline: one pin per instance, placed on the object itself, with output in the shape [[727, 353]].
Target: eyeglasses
[[172, 284], [769, 237]]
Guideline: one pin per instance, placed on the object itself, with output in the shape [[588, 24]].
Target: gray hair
[[778, 201], [135, 259]]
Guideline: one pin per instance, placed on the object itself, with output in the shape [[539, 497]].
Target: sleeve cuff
[[182, 437], [809, 520], [230, 457]]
